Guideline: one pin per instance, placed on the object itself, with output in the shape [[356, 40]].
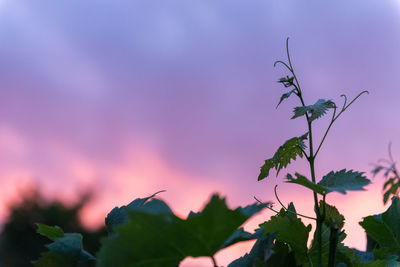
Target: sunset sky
[[131, 97]]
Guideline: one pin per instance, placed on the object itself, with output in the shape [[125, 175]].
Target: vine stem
[[214, 261], [310, 159], [283, 206]]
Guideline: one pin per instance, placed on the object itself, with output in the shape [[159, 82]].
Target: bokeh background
[[125, 98]]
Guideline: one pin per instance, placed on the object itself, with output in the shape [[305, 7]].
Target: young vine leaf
[[118, 216], [343, 181], [315, 111], [384, 229], [290, 230], [376, 170], [288, 151], [66, 249], [285, 95], [332, 215], [151, 238]]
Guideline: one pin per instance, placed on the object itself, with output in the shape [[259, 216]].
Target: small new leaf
[[286, 81], [343, 181], [376, 170], [288, 151], [314, 111], [285, 95], [332, 215], [388, 170]]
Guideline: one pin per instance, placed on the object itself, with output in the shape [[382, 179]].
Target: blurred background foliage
[[19, 242]]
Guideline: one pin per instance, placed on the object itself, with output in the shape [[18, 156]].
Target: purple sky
[[130, 97]]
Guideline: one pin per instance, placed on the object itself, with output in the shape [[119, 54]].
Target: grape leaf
[[343, 181], [343, 253], [283, 256], [240, 235], [259, 253], [391, 191], [288, 151], [332, 215], [376, 170], [388, 182], [66, 249], [301, 180], [118, 216], [315, 111], [51, 232], [381, 263], [285, 95], [388, 170], [290, 230], [163, 239], [384, 229], [286, 81]]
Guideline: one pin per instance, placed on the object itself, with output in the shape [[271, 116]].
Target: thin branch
[[390, 152], [286, 209], [305, 154], [292, 70], [352, 101], [283, 63], [326, 132], [345, 100], [335, 118]]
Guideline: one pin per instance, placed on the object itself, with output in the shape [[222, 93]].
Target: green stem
[[333, 240], [318, 214]]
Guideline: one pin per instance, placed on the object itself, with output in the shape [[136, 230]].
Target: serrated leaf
[[283, 256], [119, 215], [285, 95], [315, 111], [332, 215], [364, 256], [376, 170], [240, 235], [282, 157], [301, 180], [51, 232], [259, 253], [70, 244], [343, 253], [343, 181], [384, 229], [286, 81], [163, 239], [66, 250], [290, 230]]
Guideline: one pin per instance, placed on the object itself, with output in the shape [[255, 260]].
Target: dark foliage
[[19, 242]]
